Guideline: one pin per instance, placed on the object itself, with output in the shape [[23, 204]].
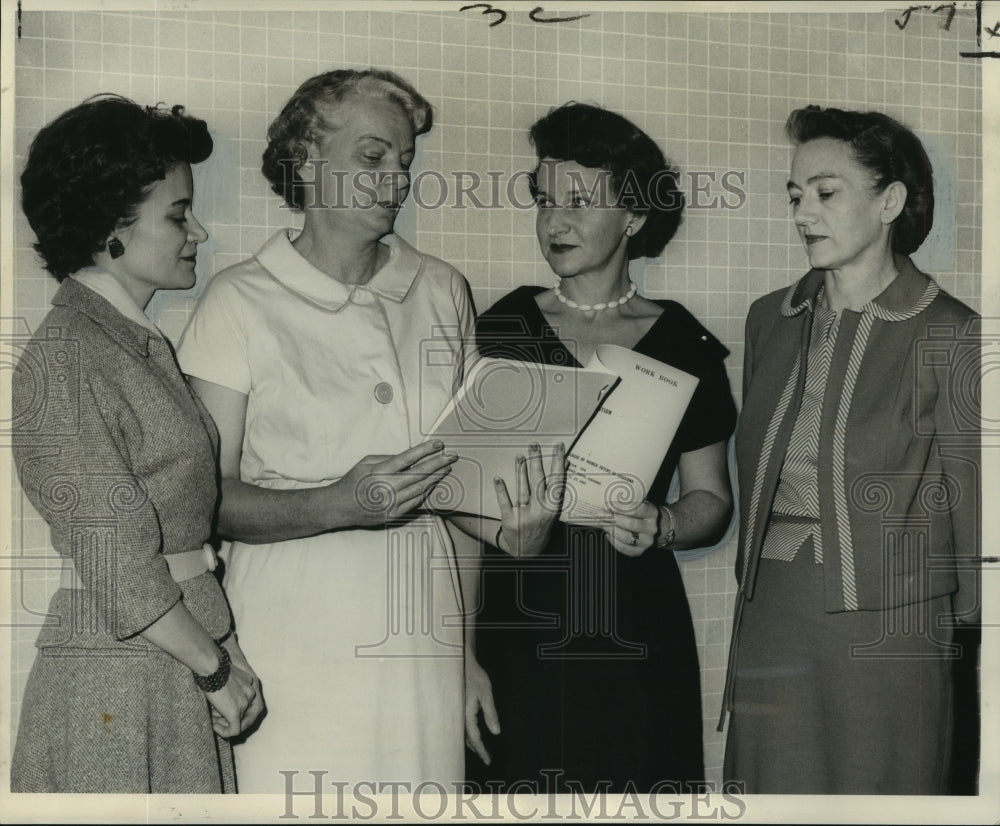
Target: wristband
[[496, 540], [665, 538], [217, 680]]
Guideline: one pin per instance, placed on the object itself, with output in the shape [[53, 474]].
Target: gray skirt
[[117, 721], [856, 702]]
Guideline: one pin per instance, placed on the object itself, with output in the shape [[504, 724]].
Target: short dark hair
[[89, 170], [644, 181], [301, 122], [888, 150]]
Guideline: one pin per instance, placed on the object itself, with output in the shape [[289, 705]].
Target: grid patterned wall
[[713, 88]]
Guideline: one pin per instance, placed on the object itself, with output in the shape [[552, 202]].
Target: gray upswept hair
[[301, 121]]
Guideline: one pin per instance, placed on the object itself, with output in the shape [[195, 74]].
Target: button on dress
[[355, 634]]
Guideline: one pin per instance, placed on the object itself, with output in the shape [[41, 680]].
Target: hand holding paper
[[615, 459], [619, 414], [633, 532], [504, 407]]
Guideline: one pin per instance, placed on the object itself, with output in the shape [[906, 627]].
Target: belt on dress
[[183, 566]]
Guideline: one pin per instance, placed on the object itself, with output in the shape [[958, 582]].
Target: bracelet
[[664, 539], [496, 540], [215, 681]]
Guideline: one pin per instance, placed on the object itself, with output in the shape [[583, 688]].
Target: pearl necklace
[[601, 305]]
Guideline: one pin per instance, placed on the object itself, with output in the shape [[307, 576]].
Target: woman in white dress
[[323, 359]]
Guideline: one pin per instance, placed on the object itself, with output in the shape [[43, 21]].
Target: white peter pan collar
[[287, 266], [110, 289]]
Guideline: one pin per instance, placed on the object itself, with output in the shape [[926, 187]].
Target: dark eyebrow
[[813, 179], [181, 202], [384, 142]]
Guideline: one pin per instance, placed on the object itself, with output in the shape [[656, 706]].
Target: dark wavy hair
[[888, 150], [89, 170], [301, 122], [644, 181]]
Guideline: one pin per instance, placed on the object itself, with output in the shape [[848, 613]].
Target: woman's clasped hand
[[237, 705]]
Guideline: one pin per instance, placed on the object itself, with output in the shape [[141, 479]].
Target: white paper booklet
[[614, 461], [616, 417]]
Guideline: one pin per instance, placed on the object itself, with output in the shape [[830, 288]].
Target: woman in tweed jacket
[[858, 452], [116, 453]]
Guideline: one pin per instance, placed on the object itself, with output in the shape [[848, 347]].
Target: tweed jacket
[[118, 456], [898, 459]]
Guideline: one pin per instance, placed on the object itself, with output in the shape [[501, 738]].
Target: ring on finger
[[634, 539]]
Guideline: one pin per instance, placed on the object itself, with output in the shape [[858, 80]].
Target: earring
[[115, 247], [628, 230]]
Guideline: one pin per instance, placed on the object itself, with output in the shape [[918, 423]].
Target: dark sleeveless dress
[[591, 653]]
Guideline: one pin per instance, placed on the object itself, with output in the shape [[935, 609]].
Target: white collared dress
[[355, 634]]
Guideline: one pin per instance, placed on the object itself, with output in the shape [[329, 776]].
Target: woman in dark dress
[[590, 646]]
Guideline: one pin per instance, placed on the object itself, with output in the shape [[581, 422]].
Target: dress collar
[[909, 294], [287, 266], [111, 290], [73, 293]]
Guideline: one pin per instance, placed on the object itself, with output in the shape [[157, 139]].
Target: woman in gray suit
[[137, 661]]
